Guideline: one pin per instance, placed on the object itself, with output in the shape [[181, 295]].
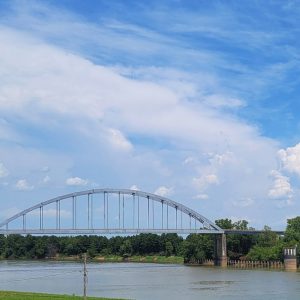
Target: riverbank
[[40, 296], [116, 258], [142, 259]]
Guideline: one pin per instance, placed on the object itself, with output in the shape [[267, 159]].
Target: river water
[[149, 281]]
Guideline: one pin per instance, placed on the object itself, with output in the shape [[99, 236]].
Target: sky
[[196, 101]]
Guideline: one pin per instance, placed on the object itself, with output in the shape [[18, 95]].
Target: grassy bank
[[115, 258], [136, 258], [157, 259], [37, 296]]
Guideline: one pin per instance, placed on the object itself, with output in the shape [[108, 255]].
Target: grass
[[141, 259], [38, 296], [157, 259]]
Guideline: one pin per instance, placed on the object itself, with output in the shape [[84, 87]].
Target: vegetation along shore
[[165, 248]]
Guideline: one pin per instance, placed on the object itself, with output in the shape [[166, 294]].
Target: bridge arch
[[201, 224]]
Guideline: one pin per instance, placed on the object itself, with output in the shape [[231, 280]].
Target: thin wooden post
[[84, 277]]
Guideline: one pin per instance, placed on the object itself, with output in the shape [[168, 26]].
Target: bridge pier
[[220, 250], [290, 259]]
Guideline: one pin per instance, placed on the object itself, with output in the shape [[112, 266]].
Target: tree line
[[194, 248]]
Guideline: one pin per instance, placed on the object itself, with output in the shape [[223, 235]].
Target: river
[[149, 281]]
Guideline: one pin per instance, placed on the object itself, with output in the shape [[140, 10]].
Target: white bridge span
[[108, 211]]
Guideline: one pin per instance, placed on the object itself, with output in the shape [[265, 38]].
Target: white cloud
[[204, 181], [221, 159], [189, 160], [211, 179], [3, 171], [45, 169], [118, 140], [201, 196], [46, 179], [23, 185], [103, 109], [221, 101], [76, 181], [134, 188], [290, 159], [163, 191], [281, 186], [244, 202], [26, 163], [79, 89]]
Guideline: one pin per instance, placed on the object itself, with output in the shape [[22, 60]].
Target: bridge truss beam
[[143, 216]]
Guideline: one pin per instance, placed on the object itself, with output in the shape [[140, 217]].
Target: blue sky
[[195, 100]]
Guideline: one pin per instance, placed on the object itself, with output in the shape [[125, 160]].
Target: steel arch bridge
[[108, 211]]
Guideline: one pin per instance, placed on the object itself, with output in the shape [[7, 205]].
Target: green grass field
[[37, 296]]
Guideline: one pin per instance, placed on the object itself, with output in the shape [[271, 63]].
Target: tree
[[267, 238], [266, 253], [14, 246], [40, 248], [237, 245], [197, 247], [2, 244], [174, 239], [241, 225], [268, 247], [168, 248], [224, 223], [126, 248], [147, 243], [292, 233]]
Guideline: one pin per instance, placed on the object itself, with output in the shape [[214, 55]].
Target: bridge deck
[[250, 232], [99, 231], [105, 231]]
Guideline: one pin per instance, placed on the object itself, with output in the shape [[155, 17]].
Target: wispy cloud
[[23, 185], [164, 191], [3, 171], [76, 181], [171, 97]]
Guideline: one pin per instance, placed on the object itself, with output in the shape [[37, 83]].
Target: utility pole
[[84, 276]]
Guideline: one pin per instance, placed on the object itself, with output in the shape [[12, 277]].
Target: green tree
[[126, 248], [269, 246], [224, 223], [40, 248], [267, 238], [174, 239], [168, 248], [292, 233], [238, 245], [265, 253], [197, 247], [241, 225], [2, 244]]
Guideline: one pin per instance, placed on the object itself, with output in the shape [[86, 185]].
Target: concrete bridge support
[[220, 250], [290, 259]]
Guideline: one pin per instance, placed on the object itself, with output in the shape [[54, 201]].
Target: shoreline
[[12, 295], [155, 259], [151, 259]]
